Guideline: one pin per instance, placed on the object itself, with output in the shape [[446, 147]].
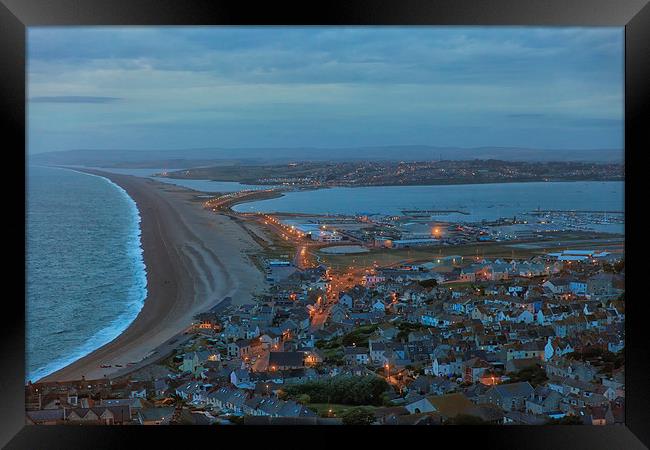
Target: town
[[351, 331], [388, 173]]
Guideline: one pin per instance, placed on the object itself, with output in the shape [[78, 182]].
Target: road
[[339, 282]]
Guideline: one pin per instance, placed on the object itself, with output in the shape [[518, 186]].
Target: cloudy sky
[[191, 87]]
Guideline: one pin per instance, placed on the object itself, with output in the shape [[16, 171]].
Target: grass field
[[388, 257], [273, 246]]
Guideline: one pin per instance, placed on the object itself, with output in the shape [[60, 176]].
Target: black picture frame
[[634, 15]]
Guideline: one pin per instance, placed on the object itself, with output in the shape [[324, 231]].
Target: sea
[[86, 277]]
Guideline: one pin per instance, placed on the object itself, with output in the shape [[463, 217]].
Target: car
[[104, 366], [118, 365]]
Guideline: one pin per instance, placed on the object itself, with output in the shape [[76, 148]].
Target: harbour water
[[86, 278], [476, 201]]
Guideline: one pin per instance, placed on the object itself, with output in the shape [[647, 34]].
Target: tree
[[347, 390], [358, 416], [304, 399], [566, 420], [431, 282], [466, 419], [535, 375]]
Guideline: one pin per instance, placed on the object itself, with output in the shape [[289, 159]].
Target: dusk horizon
[[325, 226]]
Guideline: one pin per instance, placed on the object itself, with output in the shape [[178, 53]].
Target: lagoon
[[479, 201], [208, 186]]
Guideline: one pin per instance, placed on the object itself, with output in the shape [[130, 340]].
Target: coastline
[[189, 269], [134, 303]]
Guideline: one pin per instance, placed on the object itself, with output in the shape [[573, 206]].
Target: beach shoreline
[[194, 259]]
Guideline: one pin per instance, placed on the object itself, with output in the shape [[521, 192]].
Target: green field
[[387, 257]]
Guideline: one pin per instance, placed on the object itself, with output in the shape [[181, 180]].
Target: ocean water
[[86, 278], [480, 201]]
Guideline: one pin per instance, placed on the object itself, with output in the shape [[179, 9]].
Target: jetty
[[432, 212]]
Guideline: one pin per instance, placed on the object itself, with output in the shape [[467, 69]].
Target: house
[[228, 399], [510, 397], [160, 387], [106, 415], [251, 332], [533, 349], [379, 305], [578, 287], [474, 368], [468, 274], [600, 284], [191, 363], [193, 392], [421, 385], [377, 351], [515, 290], [522, 418], [482, 314], [447, 367], [577, 370], [357, 355], [524, 316], [241, 378], [545, 400], [218, 398], [556, 347], [346, 300], [420, 336], [441, 386], [616, 346], [239, 349], [133, 403], [140, 392], [498, 271], [269, 340], [448, 406], [285, 360], [387, 331], [313, 356], [155, 416], [386, 415], [599, 415], [515, 365], [232, 331], [45, 417], [557, 285], [337, 313]]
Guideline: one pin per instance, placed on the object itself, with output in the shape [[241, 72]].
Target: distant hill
[[184, 158]]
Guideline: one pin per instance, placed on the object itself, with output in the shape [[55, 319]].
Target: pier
[[572, 211], [432, 212]]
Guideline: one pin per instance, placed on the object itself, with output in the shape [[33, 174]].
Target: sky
[[238, 87]]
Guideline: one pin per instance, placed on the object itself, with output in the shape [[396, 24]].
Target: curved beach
[[194, 258]]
